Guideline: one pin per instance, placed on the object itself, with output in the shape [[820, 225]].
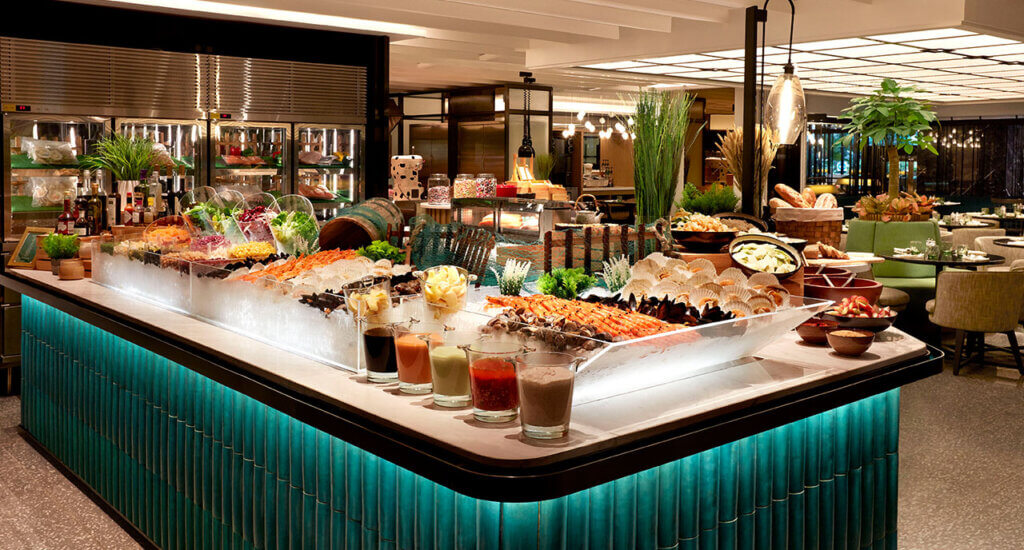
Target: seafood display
[[592, 320]]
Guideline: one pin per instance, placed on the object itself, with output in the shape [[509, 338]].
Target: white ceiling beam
[[458, 46], [484, 39], [683, 9], [610, 15], [480, 14], [778, 5], [443, 55]]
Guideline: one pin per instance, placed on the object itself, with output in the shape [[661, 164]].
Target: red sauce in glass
[[493, 382]]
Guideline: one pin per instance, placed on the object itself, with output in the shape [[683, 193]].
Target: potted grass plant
[[891, 118], [125, 157], [62, 250], [662, 119]]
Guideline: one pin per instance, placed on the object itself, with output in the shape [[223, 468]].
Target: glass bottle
[[128, 218], [81, 198], [66, 220], [94, 209]]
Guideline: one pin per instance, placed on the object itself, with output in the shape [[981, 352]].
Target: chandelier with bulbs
[[608, 127]]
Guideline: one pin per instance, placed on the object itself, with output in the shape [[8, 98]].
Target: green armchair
[[880, 238]]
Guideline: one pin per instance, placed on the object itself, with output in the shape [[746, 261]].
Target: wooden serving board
[[856, 258]]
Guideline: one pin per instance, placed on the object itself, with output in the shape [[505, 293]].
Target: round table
[[992, 259], [954, 227], [1011, 222], [1005, 241]]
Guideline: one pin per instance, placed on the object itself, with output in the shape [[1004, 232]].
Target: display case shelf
[[21, 161]]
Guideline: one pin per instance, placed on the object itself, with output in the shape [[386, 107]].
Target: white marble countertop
[[784, 367]]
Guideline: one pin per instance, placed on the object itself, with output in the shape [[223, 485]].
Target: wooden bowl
[[816, 286], [703, 241], [873, 324], [814, 331], [851, 344]]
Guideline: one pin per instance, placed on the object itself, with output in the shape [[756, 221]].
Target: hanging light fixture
[[526, 149], [787, 106]]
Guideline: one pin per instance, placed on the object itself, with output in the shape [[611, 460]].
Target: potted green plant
[[60, 248], [543, 165], [714, 200], [662, 119], [125, 157], [891, 118]]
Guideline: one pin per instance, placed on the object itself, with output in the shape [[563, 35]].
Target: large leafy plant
[[125, 157], [892, 118], [662, 119], [717, 198]]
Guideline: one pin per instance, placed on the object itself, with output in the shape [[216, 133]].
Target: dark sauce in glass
[[380, 350]]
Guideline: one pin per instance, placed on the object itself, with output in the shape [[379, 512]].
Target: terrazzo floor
[[961, 473]]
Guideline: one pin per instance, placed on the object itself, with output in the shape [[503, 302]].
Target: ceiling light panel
[[947, 64]]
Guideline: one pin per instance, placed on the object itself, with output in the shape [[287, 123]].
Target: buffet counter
[[200, 436]]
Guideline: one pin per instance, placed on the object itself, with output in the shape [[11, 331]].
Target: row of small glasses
[[936, 250], [501, 378]]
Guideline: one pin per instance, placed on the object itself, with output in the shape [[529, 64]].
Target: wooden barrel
[[361, 224]]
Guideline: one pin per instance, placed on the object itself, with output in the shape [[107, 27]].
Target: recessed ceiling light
[[999, 68], [739, 54], [687, 58], [816, 74], [954, 63], [942, 76], [920, 35], [615, 65], [961, 42], [881, 69], [831, 44], [653, 69], [873, 51], [708, 74]]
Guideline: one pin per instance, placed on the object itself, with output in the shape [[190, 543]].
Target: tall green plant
[[543, 165], [662, 119], [889, 117], [125, 157]]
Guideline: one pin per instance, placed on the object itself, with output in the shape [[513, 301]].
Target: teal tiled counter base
[[194, 464]]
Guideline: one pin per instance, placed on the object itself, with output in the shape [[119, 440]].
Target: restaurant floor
[[961, 473]]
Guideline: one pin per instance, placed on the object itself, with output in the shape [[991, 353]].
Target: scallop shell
[[731, 276], [644, 277], [683, 295], [713, 287], [761, 304], [703, 297], [637, 289], [666, 289], [675, 263], [757, 281], [646, 265], [778, 295], [736, 294], [700, 279], [702, 264], [658, 258], [739, 309], [664, 272]]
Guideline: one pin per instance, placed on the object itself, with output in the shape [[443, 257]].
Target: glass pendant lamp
[[787, 107]]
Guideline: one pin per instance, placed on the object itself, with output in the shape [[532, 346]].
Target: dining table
[[940, 264]]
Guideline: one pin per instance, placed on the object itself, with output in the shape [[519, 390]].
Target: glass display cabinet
[[328, 161], [41, 163], [521, 218], [179, 143], [250, 157]]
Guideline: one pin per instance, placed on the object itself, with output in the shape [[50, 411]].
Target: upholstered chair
[[966, 237], [976, 303]]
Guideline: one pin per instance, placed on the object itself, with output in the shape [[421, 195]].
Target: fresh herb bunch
[[61, 247], [718, 198], [616, 273], [382, 250], [296, 232], [565, 283], [662, 119], [543, 166], [125, 157], [892, 119], [512, 277]]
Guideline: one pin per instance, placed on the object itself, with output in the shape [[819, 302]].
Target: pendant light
[[787, 106], [526, 149]]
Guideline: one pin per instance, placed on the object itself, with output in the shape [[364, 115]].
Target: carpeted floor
[[961, 473]]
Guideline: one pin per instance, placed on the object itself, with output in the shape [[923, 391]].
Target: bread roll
[[776, 202], [790, 195], [826, 200], [809, 196]]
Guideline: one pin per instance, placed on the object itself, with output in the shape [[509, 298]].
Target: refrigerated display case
[[521, 218], [41, 162], [250, 157], [182, 140], [328, 158]]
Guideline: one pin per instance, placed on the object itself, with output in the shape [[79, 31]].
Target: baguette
[[809, 196], [790, 195], [776, 202]]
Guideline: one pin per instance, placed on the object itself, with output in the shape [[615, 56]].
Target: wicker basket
[[813, 224]]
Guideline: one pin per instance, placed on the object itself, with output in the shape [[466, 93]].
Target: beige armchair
[[976, 303], [966, 237]]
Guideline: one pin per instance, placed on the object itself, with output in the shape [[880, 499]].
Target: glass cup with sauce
[[449, 368], [492, 379], [412, 351], [545, 381], [369, 300]]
